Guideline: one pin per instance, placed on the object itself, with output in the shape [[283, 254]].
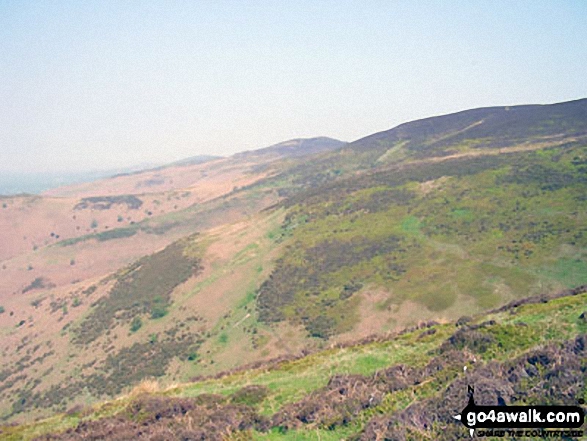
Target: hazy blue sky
[[111, 83]]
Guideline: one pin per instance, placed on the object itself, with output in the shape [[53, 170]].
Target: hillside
[[484, 128], [289, 250], [442, 238], [486, 131], [406, 385], [295, 148]]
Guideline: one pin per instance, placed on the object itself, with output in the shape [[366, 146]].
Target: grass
[[498, 227], [290, 381], [570, 272], [487, 235]]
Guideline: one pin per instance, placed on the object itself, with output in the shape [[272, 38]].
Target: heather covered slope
[[436, 239], [308, 252], [484, 131], [400, 386], [482, 128]]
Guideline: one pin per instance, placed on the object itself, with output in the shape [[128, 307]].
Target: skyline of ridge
[[109, 85]]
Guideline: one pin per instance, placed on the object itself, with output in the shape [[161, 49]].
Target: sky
[[107, 84]]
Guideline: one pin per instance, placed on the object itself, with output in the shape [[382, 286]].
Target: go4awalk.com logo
[[522, 421]]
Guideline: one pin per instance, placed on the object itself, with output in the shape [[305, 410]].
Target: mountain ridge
[[473, 116], [293, 254]]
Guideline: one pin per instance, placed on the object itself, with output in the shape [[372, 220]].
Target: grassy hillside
[[486, 131], [430, 221], [402, 386], [454, 237]]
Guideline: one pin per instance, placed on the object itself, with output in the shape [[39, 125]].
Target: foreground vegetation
[[430, 221], [403, 386]]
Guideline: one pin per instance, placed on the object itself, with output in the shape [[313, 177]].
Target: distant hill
[[490, 127], [193, 160], [211, 266], [296, 147], [205, 171], [199, 159]]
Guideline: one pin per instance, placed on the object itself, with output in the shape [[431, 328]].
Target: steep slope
[[65, 299], [313, 251], [407, 385], [438, 239]]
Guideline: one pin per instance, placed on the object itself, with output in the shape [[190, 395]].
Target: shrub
[[136, 324], [143, 287], [106, 202], [118, 233], [158, 311], [250, 395], [38, 283]]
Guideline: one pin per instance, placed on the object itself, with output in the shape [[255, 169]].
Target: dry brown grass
[[147, 386]]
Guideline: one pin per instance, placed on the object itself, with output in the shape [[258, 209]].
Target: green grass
[[290, 381], [486, 235], [570, 272]]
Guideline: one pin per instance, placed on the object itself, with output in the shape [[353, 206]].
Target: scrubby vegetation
[[142, 288], [116, 233], [38, 283], [482, 228], [126, 367], [136, 324], [404, 386], [106, 202]]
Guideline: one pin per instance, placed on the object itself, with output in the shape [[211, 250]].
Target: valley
[[298, 269]]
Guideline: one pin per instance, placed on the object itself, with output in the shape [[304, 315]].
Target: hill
[[295, 148], [436, 231], [262, 255], [406, 385], [483, 128], [485, 131]]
